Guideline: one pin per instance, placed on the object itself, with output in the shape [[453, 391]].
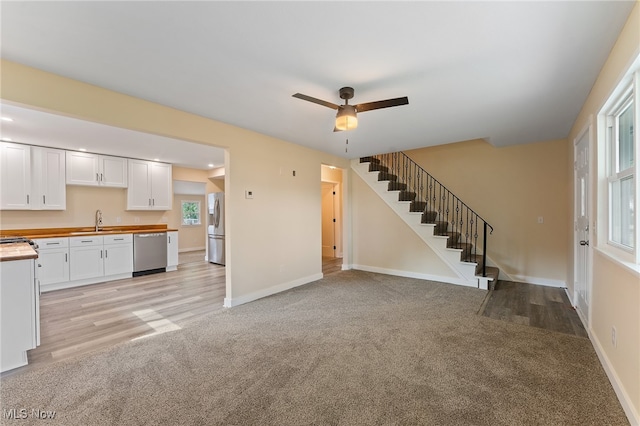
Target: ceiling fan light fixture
[[346, 118]]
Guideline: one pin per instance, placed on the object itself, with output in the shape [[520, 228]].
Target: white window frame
[[182, 203], [627, 92]]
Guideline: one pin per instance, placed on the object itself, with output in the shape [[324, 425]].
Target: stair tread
[[492, 274]]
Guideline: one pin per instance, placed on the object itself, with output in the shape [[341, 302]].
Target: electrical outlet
[[248, 194], [540, 219], [614, 337]]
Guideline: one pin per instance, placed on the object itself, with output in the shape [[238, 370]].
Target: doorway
[[331, 196], [328, 220], [582, 285]]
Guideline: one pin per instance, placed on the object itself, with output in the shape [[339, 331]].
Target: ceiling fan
[[346, 118]]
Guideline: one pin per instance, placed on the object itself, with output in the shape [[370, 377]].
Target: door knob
[[584, 243]]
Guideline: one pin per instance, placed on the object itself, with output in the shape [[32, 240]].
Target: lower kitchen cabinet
[[53, 261], [87, 258], [172, 250], [19, 313], [118, 254]]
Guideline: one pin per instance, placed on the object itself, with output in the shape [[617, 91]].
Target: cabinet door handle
[[86, 241], [154, 201], [44, 199], [101, 178], [106, 254], [169, 238], [97, 178], [100, 254], [53, 244], [27, 198], [149, 201], [66, 258]]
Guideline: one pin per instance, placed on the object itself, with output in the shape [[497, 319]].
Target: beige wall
[[383, 242], [510, 188], [82, 203], [615, 289], [192, 237], [274, 240]]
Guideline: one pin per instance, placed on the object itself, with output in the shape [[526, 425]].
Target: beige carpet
[[355, 348]]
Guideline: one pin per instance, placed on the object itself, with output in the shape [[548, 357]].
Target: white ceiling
[[512, 72], [45, 129]]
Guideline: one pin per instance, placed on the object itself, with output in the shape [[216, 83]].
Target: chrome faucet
[[98, 220]]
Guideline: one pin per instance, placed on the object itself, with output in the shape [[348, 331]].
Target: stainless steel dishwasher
[[149, 253]]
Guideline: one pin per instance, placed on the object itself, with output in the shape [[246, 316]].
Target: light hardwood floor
[[82, 319], [331, 265]]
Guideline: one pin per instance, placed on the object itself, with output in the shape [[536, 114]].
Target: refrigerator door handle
[[216, 216]]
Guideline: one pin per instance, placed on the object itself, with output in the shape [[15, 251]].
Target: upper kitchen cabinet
[[48, 179], [84, 168], [15, 176], [149, 186], [32, 177]]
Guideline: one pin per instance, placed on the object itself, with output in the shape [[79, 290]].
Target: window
[[618, 169], [620, 131], [191, 212]]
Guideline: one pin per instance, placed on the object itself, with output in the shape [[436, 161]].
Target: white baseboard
[[409, 274], [185, 250], [235, 301], [547, 282], [623, 397]]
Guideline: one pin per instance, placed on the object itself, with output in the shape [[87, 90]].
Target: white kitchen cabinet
[[84, 168], [172, 250], [33, 177], [149, 186], [86, 256], [48, 180], [118, 254], [19, 313], [15, 176], [75, 261], [53, 261]]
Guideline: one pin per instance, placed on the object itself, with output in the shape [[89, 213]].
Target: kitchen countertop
[[17, 251], [85, 231]]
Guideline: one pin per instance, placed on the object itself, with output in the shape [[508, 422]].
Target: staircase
[[455, 232]]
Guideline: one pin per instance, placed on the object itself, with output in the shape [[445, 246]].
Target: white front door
[[581, 228]]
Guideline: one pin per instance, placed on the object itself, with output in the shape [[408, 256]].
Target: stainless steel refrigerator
[[215, 229]]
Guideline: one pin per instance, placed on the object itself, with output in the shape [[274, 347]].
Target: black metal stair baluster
[[484, 251], [440, 200]]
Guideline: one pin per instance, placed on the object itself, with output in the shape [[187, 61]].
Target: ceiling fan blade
[[368, 106], [316, 101]]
